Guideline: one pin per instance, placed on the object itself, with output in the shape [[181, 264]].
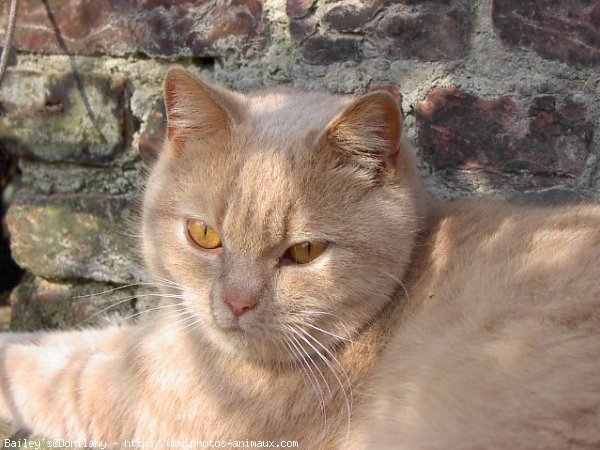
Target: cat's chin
[[239, 340]]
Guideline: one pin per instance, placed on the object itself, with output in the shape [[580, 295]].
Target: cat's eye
[[203, 235], [305, 252]]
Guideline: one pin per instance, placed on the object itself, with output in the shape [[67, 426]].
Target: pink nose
[[239, 304]]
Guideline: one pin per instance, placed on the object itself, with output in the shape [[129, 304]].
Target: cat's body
[[164, 382], [499, 345], [475, 306]]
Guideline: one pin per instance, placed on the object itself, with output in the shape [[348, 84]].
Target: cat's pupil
[[305, 252]]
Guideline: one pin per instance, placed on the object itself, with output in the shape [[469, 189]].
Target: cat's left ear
[[195, 108], [367, 133]]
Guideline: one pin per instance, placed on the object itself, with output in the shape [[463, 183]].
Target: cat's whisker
[[193, 323], [305, 357], [399, 281], [166, 281], [329, 353], [105, 309], [302, 357], [295, 360], [303, 351], [126, 233], [309, 314], [337, 336], [182, 321], [120, 301], [308, 356], [156, 308], [314, 313], [348, 399], [108, 291], [310, 376]]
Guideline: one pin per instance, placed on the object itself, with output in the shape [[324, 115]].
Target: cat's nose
[[239, 302]]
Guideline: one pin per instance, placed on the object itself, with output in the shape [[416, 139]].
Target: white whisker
[[300, 357], [399, 281], [348, 398]]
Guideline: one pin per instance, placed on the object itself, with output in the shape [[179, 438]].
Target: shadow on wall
[[10, 273], [74, 71]]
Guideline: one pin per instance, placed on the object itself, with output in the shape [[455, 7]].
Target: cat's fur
[[499, 345], [486, 314]]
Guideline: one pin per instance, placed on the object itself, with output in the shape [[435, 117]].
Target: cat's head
[[286, 218]]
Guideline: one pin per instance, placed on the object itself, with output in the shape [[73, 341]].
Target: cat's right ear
[[367, 134], [196, 109]]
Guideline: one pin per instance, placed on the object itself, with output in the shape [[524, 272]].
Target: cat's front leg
[[45, 379]]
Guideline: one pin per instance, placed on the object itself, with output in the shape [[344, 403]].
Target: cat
[[499, 345], [322, 296]]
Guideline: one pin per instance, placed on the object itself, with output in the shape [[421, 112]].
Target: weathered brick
[[349, 17], [156, 28], [42, 304], [300, 29], [47, 179], [152, 134], [297, 9], [426, 30], [562, 30], [548, 136], [73, 236], [322, 49], [436, 33], [64, 116]]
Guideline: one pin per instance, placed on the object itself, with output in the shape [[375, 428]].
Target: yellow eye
[[305, 252], [203, 235]]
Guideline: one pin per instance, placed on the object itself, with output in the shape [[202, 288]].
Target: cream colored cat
[[323, 298]]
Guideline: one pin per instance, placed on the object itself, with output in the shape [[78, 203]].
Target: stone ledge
[[74, 236], [39, 304], [64, 116]]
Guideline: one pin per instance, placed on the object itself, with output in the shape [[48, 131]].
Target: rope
[[10, 31]]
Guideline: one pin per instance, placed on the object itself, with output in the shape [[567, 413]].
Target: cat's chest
[[216, 399]]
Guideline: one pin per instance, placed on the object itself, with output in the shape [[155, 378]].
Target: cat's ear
[[367, 133], [195, 108]]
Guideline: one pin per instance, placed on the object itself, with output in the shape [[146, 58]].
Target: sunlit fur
[[265, 171], [464, 325], [500, 342]]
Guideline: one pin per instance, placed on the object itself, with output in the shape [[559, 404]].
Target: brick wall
[[499, 97]]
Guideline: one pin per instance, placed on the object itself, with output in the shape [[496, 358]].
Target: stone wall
[[499, 97]]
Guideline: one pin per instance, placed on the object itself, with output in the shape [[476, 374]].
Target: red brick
[[322, 49], [461, 132], [404, 29], [438, 33], [562, 30], [345, 17], [298, 8], [157, 28]]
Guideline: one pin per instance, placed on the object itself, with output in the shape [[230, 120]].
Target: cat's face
[[285, 218]]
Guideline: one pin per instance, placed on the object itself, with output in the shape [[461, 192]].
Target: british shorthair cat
[[321, 296]]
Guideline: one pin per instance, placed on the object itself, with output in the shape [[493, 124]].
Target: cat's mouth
[[230, 324], [234, 328]]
